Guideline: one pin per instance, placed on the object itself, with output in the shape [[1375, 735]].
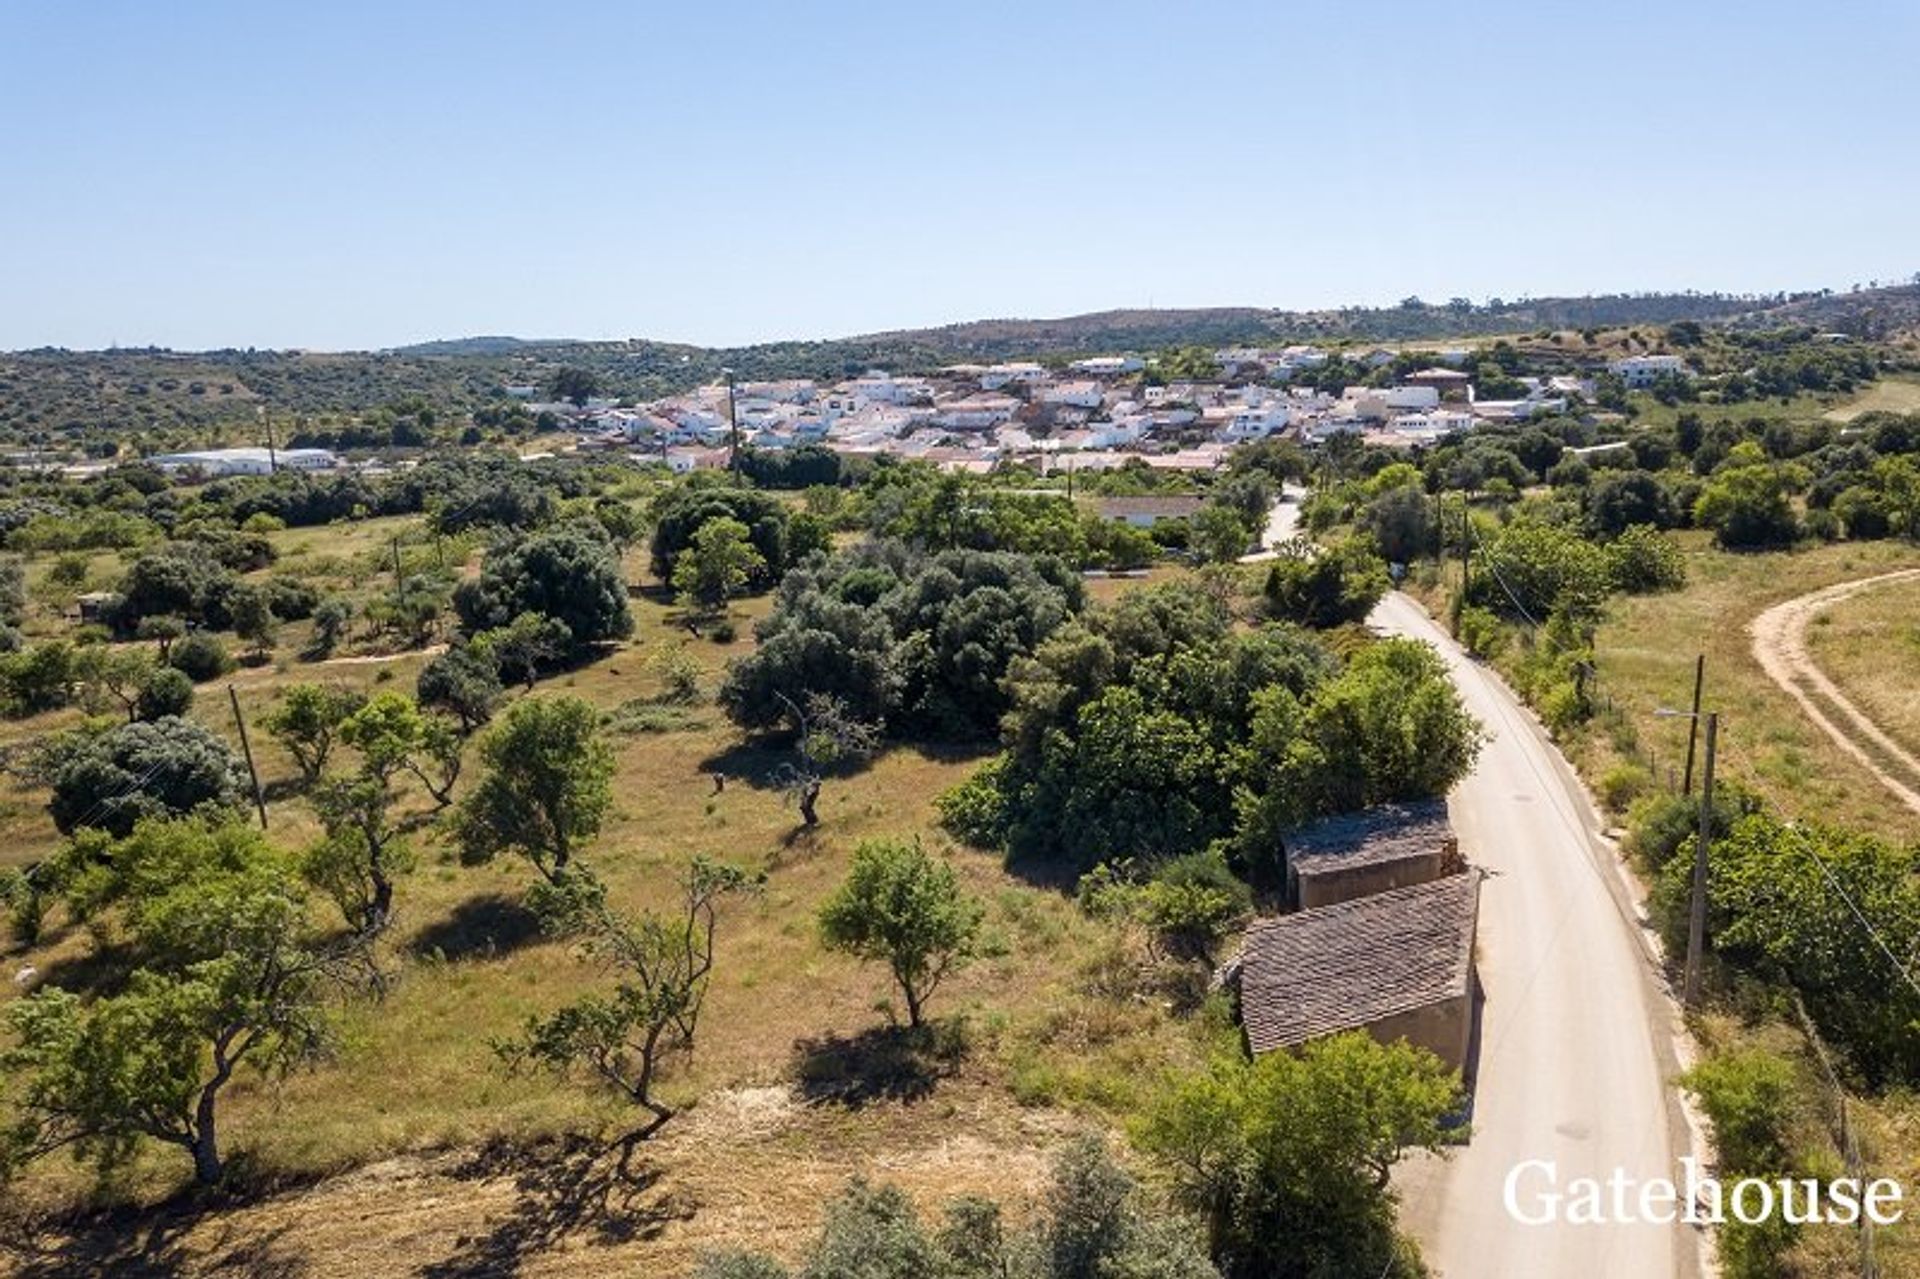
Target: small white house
[[1643, 370], [1108, 365], [995, 376], [1079, 395]]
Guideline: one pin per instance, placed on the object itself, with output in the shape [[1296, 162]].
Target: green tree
[[464, 682], [524, 647], [900, 907], [546, 788], [717, 565], [331, 618], [569, 573], [306, 722], [1221, 533], [253, 617], [1325, 588], [228, 977], [661, 965], [574, 384], [163, 692], [1748, 506], [1288, 1156], [168, 766], [200, 656]]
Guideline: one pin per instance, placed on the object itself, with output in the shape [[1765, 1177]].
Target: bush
[[200, 656], [164, 692], [1340, 585], [1748, 1094], [1622, 785], [169, 766], [1480, 632], [1643, 560], [975, 811]]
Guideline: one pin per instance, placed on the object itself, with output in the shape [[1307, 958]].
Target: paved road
[[1283, 522], [1576, 1040]]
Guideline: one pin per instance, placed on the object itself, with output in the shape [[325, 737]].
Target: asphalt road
[[1283, 522], [1576, 1046]]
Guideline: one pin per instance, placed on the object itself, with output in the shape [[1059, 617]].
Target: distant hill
[[478, 346], [180, 399], [1869, 313]]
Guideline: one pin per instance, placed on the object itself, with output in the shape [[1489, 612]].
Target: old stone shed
[[1397, 964], [1354, 855]]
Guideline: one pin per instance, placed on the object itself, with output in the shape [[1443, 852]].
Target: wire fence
[[1839, 1118]]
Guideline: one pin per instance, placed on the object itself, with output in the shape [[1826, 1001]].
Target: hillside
[[89, 400]]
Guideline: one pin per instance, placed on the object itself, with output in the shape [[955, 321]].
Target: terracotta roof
[[1345, 967], [1369, 837]]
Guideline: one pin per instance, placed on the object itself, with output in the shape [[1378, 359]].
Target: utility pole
[[733, 426], [1693, 727], [1466, 562], [396, 566], [1697, 916], [246, 748], [273, 461]]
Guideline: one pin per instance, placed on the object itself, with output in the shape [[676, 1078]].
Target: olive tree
[[307, 723], [229, 976], [169, 765], [660, 964], [546, 788], [902, 908]]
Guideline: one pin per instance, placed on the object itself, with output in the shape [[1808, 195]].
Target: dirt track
[[1780, 646]]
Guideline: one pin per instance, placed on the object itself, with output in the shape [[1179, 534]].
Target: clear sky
[[346, 174]]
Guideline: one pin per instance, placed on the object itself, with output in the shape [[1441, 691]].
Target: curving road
[[1780, 646], [1578, 1039]]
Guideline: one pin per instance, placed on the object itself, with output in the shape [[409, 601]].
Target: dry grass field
[[1646, 656], [1888, 395], [1869, 645], [414, 1149]]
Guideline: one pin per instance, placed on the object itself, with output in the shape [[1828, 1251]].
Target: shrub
[[1622, 785], [165, 691], [975, 811], [200, 656], [1643, 560]]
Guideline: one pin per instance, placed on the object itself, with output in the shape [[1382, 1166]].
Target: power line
[[1494, 568], [1905, 973]]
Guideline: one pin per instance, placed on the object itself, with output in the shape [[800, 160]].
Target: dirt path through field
[[1780, 645]]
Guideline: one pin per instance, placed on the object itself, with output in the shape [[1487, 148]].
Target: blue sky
[[353, 174]]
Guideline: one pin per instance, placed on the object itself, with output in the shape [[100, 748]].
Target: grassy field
[[1647, 648], [1888, 395], [1869, 644], [793, 1089]]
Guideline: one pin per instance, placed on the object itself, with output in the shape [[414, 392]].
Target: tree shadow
[[145, 1243], [886, 1063], [565, 1189], [479, 928], [101, 969]]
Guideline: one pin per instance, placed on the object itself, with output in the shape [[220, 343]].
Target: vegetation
[[902, 908]]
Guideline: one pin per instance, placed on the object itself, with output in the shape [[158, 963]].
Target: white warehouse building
[[248, 461]]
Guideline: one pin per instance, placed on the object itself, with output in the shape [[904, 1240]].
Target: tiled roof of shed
[[1344, 967], [1369, 837]]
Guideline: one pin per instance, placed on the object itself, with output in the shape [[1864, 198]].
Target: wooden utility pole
[[733, 426], [1697, 916], [396, 566], [246, 748], [1693, 725], [1466, 561]]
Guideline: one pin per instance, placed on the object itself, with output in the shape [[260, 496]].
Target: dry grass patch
[[1888, 395], [1646, 655], [1869, 644]]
